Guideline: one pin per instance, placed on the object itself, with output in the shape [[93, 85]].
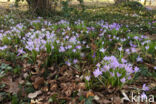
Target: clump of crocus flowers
[[113, 72]]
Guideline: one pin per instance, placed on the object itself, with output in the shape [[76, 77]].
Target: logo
[[138, 98]]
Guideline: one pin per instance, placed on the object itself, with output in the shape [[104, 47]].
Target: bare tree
[[39, 6], [145, 1], [150, 2]]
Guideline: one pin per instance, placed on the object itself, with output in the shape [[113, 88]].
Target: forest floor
[[95, 56]]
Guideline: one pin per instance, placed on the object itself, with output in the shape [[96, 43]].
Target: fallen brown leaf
[[45, 89], [34, 95], [68, 92], [81, 86], [38, 82], [89, 93], [53, 87], [12, 86], [35, 102], [105, 101], [117, 100]]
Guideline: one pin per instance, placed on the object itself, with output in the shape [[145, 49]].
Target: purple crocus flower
[[115, 64], [94, 55], [129, 77], [145, 88], [127, 51], [133, 50], [106, 67], [118, 74], [139, 59], [37, 49], [123, 80], [123, 60], [75, 61], [62, 49], [78, 47], [98, 65], [112, 74], [110, 40], [74, 50], [20, 51], [136, 37], [3, 48], [97, 72], [120, 49], [68, 63], [129, 69], [136, 69], [87, 78], [102, 50], [147, 47]]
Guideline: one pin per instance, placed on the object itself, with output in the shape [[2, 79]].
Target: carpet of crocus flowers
[[82, 60]]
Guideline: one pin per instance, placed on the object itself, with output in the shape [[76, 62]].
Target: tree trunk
[[145, 2], [150, 2], [41, 7]]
